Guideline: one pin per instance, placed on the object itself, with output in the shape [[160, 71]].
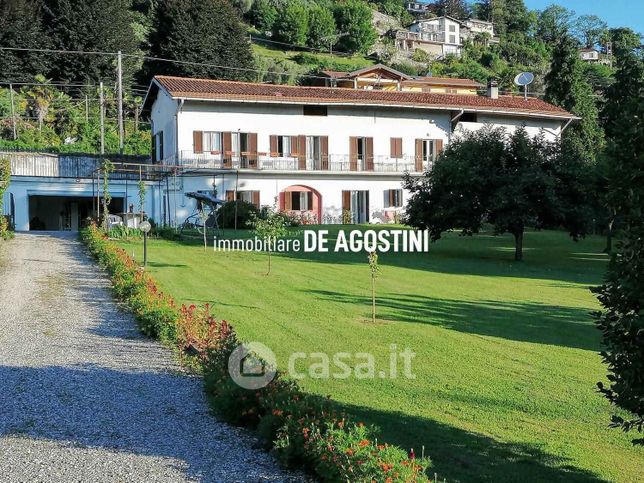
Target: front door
[[356, 204]]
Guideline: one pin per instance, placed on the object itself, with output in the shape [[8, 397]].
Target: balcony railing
[[335, 163]]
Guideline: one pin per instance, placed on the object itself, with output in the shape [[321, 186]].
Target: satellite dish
[[524, 78]]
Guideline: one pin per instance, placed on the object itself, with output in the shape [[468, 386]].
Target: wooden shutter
[[369, 154], [294, 146], [346, 200], [154, 148], [227, 142], [273, 146], [230, 195], [197, 141], [396, 147], [324, 151], [309, 200], [161, 149], [256, 198], [288, 198], [301, 155], [252, 149], [419, 155], [439, 147], [353, 153]]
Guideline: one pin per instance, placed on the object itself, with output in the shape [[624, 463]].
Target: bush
[[245, 212]]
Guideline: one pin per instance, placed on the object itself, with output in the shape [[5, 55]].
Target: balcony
[[336, 163]]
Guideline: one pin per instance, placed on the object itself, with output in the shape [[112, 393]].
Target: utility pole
[[119, 68], [102, 116], [13, 113]]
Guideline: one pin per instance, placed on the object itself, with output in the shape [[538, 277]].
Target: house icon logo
[[252, 365]]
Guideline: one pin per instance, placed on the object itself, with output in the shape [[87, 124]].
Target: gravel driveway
[[85, 397]]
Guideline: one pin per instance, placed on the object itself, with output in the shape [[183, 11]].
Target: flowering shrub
[[299, 428]]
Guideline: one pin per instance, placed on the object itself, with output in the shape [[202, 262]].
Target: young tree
[[321, 27], [107, 167], [512, 182], [374, 268], [91, 25], [292, 23], [589, 29], [269, 228], [263, 15], [354, 19], [21, 26], [203, 32]]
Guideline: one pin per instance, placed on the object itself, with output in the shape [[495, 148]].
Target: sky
[[616, 13]]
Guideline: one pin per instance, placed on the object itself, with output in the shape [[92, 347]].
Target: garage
[[64, 213]]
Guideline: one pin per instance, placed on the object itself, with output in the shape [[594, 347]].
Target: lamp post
[[145, 227]]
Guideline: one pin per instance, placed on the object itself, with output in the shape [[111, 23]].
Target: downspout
[[176, 130], [452, 121]]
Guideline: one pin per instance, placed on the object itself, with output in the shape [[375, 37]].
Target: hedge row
[[299, 429]]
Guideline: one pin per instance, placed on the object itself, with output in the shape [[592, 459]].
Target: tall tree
[[554, 22], [91, 25], [21, 26], [354, 19], [512, 182], [589, 29], [292, 23], [622, 320], [459, 9], [202, 32], [321, 27], [566, 87]]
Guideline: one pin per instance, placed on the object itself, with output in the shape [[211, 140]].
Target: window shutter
[[309, 200], [439, 147], [161, 153], [353, 153], [288, 197], [346, 200], [256, 198], [324, 151], [154, 148], [252, 149], [227, 148], [301, 157], [386, 200], [369, 154], [295, 149], [419, 155], [197, 139], [273, 146], [230, 195], [396, 147]]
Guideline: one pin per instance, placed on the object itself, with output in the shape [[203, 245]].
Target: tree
[[567, 88], [91, 25], [486, 176], [354, 20], [321, 27], [554, 22], [21, 26], [374, 268], [589, 29], [269, 228], [453, 8], [39, 98], [292, 23], [5, 178], [203, 32], [263, 15]]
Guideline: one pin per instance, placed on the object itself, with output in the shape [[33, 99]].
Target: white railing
[[334, 163]]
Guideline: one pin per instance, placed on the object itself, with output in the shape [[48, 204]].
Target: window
[[249, 196], [393, 198], [158, 146], [211, 141], [468, 117], [240, 143], [284, 145], [311, 110], [301, 200], [452, 28], [452, 39]]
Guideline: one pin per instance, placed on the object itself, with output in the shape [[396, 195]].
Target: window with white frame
[[393, 198], [284, 146], [212, 141]]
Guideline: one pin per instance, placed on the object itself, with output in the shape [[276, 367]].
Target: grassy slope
[[506, 353], [336, 61]]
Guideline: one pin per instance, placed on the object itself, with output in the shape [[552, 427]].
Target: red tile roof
[[207, 89], [453, 81]]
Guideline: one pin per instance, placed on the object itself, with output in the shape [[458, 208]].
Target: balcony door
[[360, 154], [356, 202], [244, 149]]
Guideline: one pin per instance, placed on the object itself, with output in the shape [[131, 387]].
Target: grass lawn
[[506, 361]]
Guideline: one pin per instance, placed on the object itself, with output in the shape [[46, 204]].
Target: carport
[[62, 212]]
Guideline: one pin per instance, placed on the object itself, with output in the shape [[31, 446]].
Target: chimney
[[493, 89]]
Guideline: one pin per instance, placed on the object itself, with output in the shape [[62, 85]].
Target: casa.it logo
[[252, 365]]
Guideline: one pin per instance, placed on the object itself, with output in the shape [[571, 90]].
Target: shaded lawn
[[506, 362]]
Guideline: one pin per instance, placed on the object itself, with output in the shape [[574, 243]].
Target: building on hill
[[381, 77], [442, 36], [324, 154], [595, 56]]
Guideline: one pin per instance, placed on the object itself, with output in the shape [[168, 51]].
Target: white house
[[320, 152], [316, 151], [439, 35]]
